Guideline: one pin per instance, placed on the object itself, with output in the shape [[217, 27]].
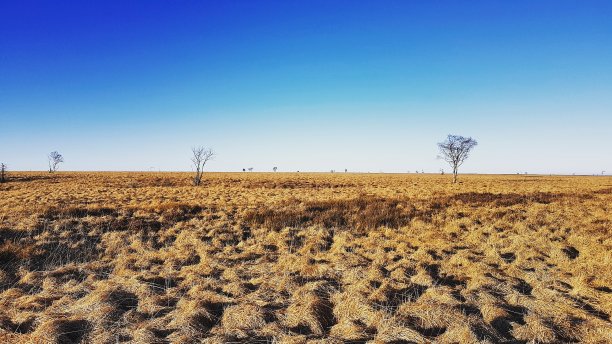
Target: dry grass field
[[304, 258]]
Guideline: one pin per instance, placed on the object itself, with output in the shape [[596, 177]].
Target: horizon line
[[319, 172]]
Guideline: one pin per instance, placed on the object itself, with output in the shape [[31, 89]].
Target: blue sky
[[307, 85]]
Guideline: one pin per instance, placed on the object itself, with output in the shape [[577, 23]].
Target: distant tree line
[[455, 150]]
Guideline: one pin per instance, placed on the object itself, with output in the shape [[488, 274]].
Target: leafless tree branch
[[455, 150], [200, 157], [55, 159]]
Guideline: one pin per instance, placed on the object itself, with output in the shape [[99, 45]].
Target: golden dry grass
[[296, 258]]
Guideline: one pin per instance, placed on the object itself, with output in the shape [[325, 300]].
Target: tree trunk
[[198, 177]]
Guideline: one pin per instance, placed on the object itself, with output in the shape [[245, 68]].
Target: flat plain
[[304, 257]]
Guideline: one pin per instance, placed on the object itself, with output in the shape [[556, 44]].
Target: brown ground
[[295, 258]]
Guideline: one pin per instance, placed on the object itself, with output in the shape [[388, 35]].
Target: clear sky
[[307, 85]]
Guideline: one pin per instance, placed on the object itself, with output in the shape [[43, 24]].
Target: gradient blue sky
[[307, 85]]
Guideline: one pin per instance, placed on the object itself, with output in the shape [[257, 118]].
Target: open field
[[295, 258]]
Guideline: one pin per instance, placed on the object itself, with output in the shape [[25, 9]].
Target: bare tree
[[454, 150], [55, 159], [250, 169], [274, 168], [2, 172], [200, 157]]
